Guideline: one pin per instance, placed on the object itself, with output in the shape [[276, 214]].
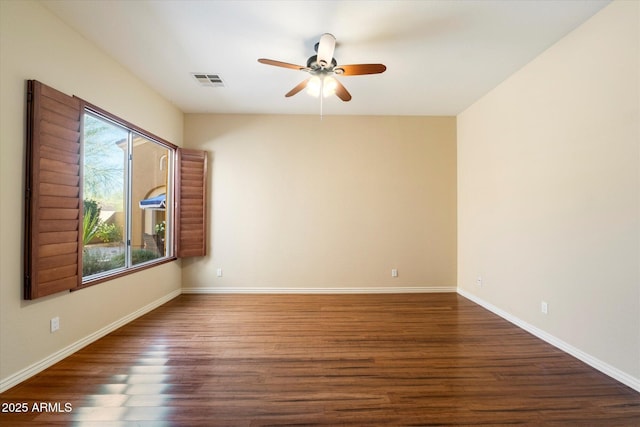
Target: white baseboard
[[54, 358], [278, 290], [594, 362]]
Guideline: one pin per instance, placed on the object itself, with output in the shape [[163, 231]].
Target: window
[[126, 221], [104, 198]]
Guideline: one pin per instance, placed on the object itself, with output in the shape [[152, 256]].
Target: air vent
[[210, 80]]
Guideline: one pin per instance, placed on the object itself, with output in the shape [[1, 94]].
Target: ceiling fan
[[322, 67]]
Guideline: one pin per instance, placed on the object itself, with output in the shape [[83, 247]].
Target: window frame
[[87, 107]]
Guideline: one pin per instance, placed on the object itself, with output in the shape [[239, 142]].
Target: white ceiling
[[441, 55]]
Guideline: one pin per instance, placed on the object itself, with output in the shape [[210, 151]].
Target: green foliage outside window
[[90, 221], [109, 232]]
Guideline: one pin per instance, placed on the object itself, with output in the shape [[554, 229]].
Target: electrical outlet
[[544, 307], [55, 324], [219, 272], [394, 272], [479, 281]]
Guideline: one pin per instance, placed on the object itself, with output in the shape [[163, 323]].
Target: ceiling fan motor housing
[[314, 65]]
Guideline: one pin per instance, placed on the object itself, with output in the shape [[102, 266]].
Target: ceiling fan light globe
[[313, 86], [329, 86]]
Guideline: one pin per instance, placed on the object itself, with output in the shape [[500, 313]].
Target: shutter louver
[[53, 207], [191, 230]]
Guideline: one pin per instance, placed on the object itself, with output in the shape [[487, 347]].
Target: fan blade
[[281, 64], [326, 47], [360, 69], [298, 88], [342, 92]]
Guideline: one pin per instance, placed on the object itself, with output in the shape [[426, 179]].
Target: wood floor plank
[[264, 360]]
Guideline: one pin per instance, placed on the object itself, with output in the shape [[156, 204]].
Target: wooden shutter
[[191, 203], [53, 260]]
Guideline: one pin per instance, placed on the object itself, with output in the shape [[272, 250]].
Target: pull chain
[[321, 96]]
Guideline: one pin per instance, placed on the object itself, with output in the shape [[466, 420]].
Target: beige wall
[[303, 203], [36, 45], [549, 191]]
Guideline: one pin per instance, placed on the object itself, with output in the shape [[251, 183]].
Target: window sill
[[122, 273]]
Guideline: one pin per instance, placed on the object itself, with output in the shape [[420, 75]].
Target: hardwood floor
[[368, 360]]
